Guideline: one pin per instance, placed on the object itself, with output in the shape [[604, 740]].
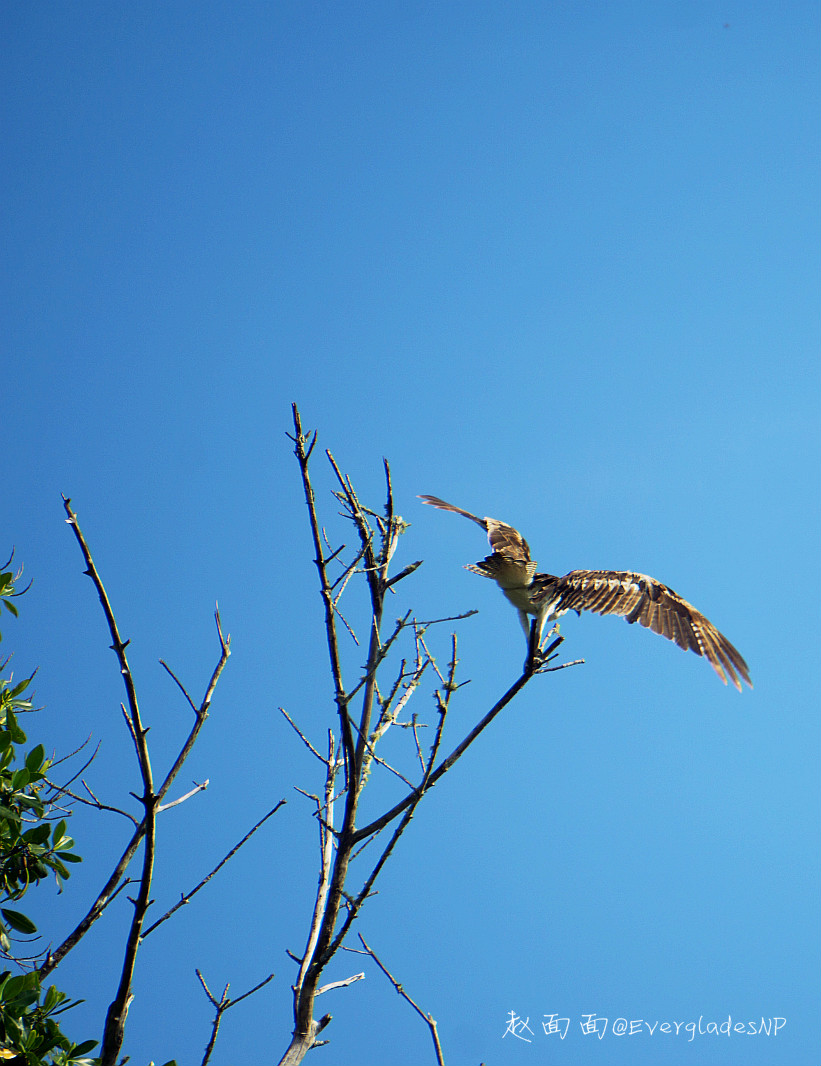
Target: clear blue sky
[[557, 261]]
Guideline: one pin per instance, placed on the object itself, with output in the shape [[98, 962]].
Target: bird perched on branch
[[635, 597]]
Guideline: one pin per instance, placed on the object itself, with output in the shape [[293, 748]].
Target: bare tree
[[396, 661], [153, 802], [352, 850]]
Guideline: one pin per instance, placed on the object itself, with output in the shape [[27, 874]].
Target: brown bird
[[636, 597]]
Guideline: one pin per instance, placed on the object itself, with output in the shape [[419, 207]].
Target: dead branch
[[341, 984], [221, 1005], [335, 907], [183, 900], [458, 751], [302, 450], [302, 736], [431, 1024], [93, 802], [355, 904], [145, 830], [187, 796], [326, 847]]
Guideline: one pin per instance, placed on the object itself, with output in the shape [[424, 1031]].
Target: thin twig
[[330, 558], [341, 984], [187, 796], [410, 687], [179, 684], [345, 621], [93, 802], [416, 796], [431, 659], [190, 895], [202, 710], [445, 765], [70, 755], [380, 653], [449, 618], [347, 573], [431, 1024], [415, 728], [371, 754], [302, 736], [403, 574], [302, 450], [110, 889], [221, 1005]]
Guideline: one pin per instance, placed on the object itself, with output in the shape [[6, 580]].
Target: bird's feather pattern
[[502, 538], [635, 597], [642, 599]]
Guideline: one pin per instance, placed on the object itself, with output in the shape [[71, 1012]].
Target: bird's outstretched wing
[[635, 597], [639, 598], [503, 538]]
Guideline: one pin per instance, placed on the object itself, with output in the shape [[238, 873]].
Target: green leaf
[[68, 856], [22, 686], [17, 734], [23, 983], [81, 1049], [14, 1032], [60, 872], [54, 997], [35, 758], [20, 778], [39, 834], [19, 922], [19, 1004]]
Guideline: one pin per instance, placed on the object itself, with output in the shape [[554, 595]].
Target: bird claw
[[536, 661], [542, 654], [534, 664]]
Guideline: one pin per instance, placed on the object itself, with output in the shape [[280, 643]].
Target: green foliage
[[7, 591], [28, 1032], [31, 849]]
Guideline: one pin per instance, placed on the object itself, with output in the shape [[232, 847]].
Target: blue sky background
[[558, 262]]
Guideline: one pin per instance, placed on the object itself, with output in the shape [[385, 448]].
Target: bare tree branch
[[302, 736], [106, 893], [335, 907], [221, 1005], [326, 846], [187, 796], [403, 574], [458, 751], [354, 906], [93, 802], [341, 984], [202, 710], [145, 831], [431, 1024], [190, 895], [179, 684], [303, 451]]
